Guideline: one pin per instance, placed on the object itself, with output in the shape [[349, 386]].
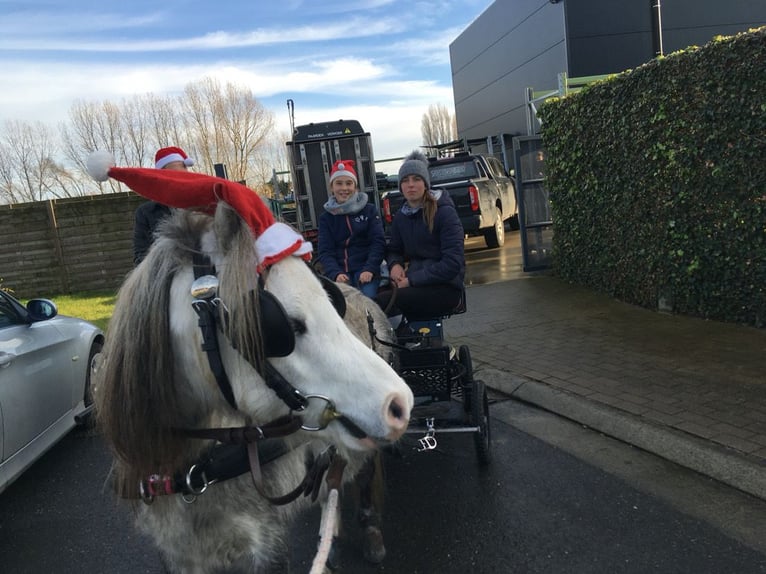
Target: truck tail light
[[387, 210], [473, 194]]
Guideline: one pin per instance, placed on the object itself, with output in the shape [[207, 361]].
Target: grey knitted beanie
[[415, 164]]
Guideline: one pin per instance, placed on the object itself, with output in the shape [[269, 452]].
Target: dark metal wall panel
[[695, 22], [516, 44], [499, 108], [495, 58], [604, 36], [709, 17]]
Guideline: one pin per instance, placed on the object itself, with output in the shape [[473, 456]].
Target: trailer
[[311, 152]]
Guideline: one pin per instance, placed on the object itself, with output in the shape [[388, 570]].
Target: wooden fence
[[67, 245]]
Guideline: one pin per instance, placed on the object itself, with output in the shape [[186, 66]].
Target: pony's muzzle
[[396, 414]]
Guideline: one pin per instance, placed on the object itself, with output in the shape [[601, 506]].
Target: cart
[[447, 397]]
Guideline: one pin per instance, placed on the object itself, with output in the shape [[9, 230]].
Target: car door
[[504, 187], [35, 376], [489, 195]]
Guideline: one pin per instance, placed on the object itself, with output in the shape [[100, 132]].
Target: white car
[[45, 368]]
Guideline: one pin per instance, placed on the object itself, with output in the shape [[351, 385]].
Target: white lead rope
[[326, 531]]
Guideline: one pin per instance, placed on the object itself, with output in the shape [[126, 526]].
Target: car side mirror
[[41, 309]]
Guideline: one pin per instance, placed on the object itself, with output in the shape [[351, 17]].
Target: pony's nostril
[[397, 413], [395, 410]]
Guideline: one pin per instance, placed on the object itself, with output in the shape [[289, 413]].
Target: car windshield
[[452, 171]]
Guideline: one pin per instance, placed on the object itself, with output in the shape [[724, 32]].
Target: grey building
[[515, 44]]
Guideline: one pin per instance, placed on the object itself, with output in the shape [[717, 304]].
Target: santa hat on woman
[[167, 155], [343, 167], [273, 240]]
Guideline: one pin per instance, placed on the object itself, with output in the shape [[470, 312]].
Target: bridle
[[212, 312], [248, 448]]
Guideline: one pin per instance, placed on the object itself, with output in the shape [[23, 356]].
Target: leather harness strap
[[208, 325]]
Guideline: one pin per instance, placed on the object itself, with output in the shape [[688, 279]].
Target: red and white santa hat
[[273, 240], [167, 155], [343, 167]]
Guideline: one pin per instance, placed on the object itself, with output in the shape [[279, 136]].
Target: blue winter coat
[[434, 258], [351, 243]]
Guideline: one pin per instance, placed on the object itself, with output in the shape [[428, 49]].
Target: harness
[[248, 448]]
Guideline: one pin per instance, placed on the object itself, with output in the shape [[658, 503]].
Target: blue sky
[[381, 62]]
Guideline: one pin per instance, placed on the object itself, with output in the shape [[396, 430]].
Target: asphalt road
[[537, 509]]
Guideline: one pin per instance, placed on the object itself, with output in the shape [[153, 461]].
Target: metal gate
[[535, 221]]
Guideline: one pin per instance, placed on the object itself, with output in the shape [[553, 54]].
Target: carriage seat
[[458, 309], [416, 328]]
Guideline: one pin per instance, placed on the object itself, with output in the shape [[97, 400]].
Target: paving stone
[[690, 376]]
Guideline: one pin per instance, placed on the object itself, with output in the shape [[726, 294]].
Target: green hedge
[[657, 178]]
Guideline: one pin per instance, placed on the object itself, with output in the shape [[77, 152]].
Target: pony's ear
[[228, 224], [335, 295]]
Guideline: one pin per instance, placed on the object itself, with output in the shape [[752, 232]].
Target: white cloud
[[353, 28], [382, 62]]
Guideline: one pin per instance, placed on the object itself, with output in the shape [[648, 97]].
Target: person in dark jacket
[[425, 253], [149, 214], [351, 241]]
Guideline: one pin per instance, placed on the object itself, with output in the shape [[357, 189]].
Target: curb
[[705, 457]]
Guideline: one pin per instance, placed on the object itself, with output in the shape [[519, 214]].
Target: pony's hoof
[[374, 549]]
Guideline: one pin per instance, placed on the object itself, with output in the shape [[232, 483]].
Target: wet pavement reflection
[[485, 265]]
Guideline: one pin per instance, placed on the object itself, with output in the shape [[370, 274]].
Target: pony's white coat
[[230, 528]]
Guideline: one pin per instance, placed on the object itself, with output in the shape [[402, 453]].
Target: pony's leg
[[370, 484]]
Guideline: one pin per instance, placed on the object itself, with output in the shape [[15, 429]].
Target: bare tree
[[213, 123], [166, 123], [95, 126], [438, 126], [28, 170], [269, 161], [226, 125]]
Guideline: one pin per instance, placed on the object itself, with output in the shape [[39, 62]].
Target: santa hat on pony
[[273, 240]]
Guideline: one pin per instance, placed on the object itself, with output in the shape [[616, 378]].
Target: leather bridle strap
[[310, 484], [208, 325], [223, 462], [278, 428]]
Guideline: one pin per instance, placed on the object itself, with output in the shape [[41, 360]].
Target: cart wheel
[[480, 418], [466, 381]]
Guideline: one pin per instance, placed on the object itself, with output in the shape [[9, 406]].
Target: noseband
[[280, 341]]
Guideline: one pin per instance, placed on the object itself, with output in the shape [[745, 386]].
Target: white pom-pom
[[98, 165]]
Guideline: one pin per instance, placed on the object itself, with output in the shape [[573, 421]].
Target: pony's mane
[[139, 367]]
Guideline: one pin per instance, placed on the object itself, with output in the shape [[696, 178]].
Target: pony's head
[[157, 380]]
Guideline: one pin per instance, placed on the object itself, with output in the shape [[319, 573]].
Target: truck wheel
[[495, 235]]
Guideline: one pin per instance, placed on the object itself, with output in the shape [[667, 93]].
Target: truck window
[[452, 172], [496, 167]]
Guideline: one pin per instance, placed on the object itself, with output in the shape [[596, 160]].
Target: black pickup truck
[[483, 193]]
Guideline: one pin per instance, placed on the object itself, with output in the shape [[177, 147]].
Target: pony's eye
[[298, 325]]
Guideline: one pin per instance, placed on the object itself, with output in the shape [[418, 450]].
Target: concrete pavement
[[689, 390]]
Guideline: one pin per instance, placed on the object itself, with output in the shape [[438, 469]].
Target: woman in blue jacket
[[351, 242], [425, 253]]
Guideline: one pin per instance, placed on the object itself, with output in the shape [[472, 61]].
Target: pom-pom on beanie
[[415, 164], [343, 167]]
